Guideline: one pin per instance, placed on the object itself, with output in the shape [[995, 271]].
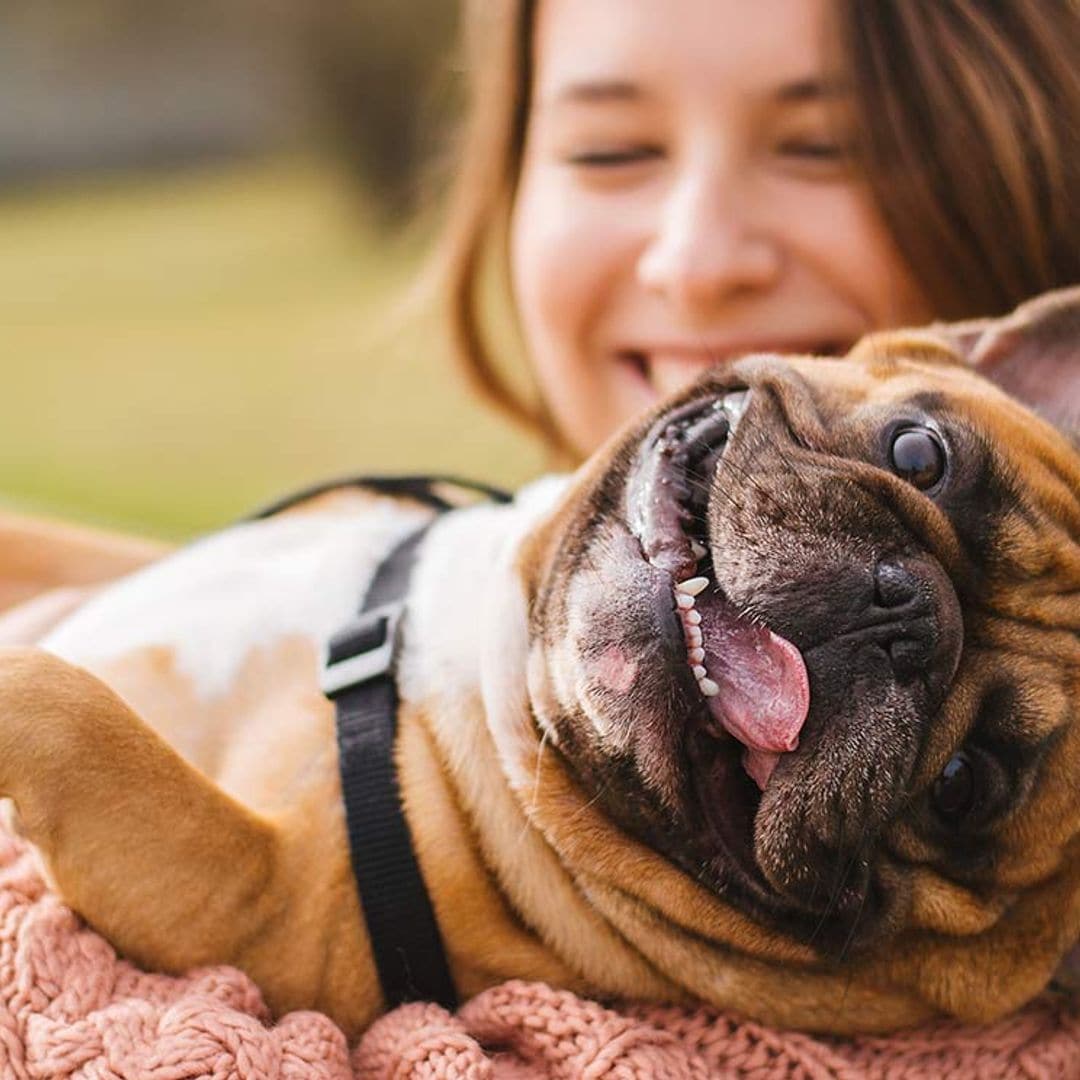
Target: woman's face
[[685, 195]]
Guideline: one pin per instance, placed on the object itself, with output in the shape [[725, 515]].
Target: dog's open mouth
[[753, 683]]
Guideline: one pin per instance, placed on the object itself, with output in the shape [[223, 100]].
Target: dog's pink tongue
[[764, 692]]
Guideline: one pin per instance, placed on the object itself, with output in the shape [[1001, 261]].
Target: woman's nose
[[705, 249]]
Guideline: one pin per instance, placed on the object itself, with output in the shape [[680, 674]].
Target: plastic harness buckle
[[363, 649]]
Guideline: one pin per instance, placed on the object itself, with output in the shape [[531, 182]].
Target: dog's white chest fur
[[212, 603]]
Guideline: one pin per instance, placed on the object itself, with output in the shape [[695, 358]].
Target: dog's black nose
[[894, 585], [906, 602]]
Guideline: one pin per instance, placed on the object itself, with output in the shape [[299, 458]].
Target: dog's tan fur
[[161, 824]]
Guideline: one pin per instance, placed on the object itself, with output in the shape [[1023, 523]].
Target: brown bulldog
[[773, 704]]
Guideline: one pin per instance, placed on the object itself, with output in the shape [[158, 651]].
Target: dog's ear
[[1033, 354]]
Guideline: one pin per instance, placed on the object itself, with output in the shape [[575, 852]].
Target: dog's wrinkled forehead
[[1033, 354], [977, 384]]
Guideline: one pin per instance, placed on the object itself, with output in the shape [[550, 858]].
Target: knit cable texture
[[69, 1008]]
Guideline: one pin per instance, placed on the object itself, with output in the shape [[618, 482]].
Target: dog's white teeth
[[692, 586], [735, 406], [685, 592], [699, 551]]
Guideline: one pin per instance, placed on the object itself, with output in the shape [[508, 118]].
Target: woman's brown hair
[[967, 128]]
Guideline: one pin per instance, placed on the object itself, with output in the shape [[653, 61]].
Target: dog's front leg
[[163, 863]]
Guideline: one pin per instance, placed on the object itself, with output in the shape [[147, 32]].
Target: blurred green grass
[[178, 349]]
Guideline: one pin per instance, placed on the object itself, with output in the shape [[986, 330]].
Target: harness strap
[[359, 678], [401, 923], [418, 487]]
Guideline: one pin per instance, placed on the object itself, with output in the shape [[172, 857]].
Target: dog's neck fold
[[463, 677], [466, 626]]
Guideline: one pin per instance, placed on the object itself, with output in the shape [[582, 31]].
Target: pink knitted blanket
[[70, 1008]]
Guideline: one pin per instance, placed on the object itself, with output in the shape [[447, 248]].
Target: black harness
[[359, 677]]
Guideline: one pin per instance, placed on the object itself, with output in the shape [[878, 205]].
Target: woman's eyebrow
[[811, 89], [598, 90]]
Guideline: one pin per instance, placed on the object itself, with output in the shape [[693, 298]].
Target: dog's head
[[810, 633]]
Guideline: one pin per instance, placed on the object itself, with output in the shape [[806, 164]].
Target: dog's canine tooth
[[692, 586], [735, 406], [708, 687]]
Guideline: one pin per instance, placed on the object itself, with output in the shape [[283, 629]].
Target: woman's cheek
[[838, 229], [567, 249]]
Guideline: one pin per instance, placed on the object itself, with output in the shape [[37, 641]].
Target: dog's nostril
[[894, 585], [905, 618], [910, 655]]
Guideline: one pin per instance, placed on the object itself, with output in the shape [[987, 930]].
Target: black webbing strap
[[405, 937], [420, 487], [359, 679]]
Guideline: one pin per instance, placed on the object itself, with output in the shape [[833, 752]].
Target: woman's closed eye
[[607, 157], [814, 156], [812, 149]]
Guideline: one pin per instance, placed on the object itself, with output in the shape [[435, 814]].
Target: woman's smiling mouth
[[669, 367]]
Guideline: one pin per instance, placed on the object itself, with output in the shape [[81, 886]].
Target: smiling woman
[[683, 182], [685, 198]]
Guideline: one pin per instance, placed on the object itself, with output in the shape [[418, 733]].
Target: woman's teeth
[[670, 370], [669, 374]]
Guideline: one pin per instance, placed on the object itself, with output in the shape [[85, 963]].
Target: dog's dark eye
[[917, 456], [954, 789]]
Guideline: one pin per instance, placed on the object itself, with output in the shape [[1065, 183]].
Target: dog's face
[[810, 632]]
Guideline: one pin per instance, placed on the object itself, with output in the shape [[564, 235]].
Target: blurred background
[[210, 214]]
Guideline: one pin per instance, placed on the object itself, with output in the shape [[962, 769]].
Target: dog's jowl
[[772, 704]]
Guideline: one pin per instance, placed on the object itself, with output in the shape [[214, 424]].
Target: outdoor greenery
[[179, 349]]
